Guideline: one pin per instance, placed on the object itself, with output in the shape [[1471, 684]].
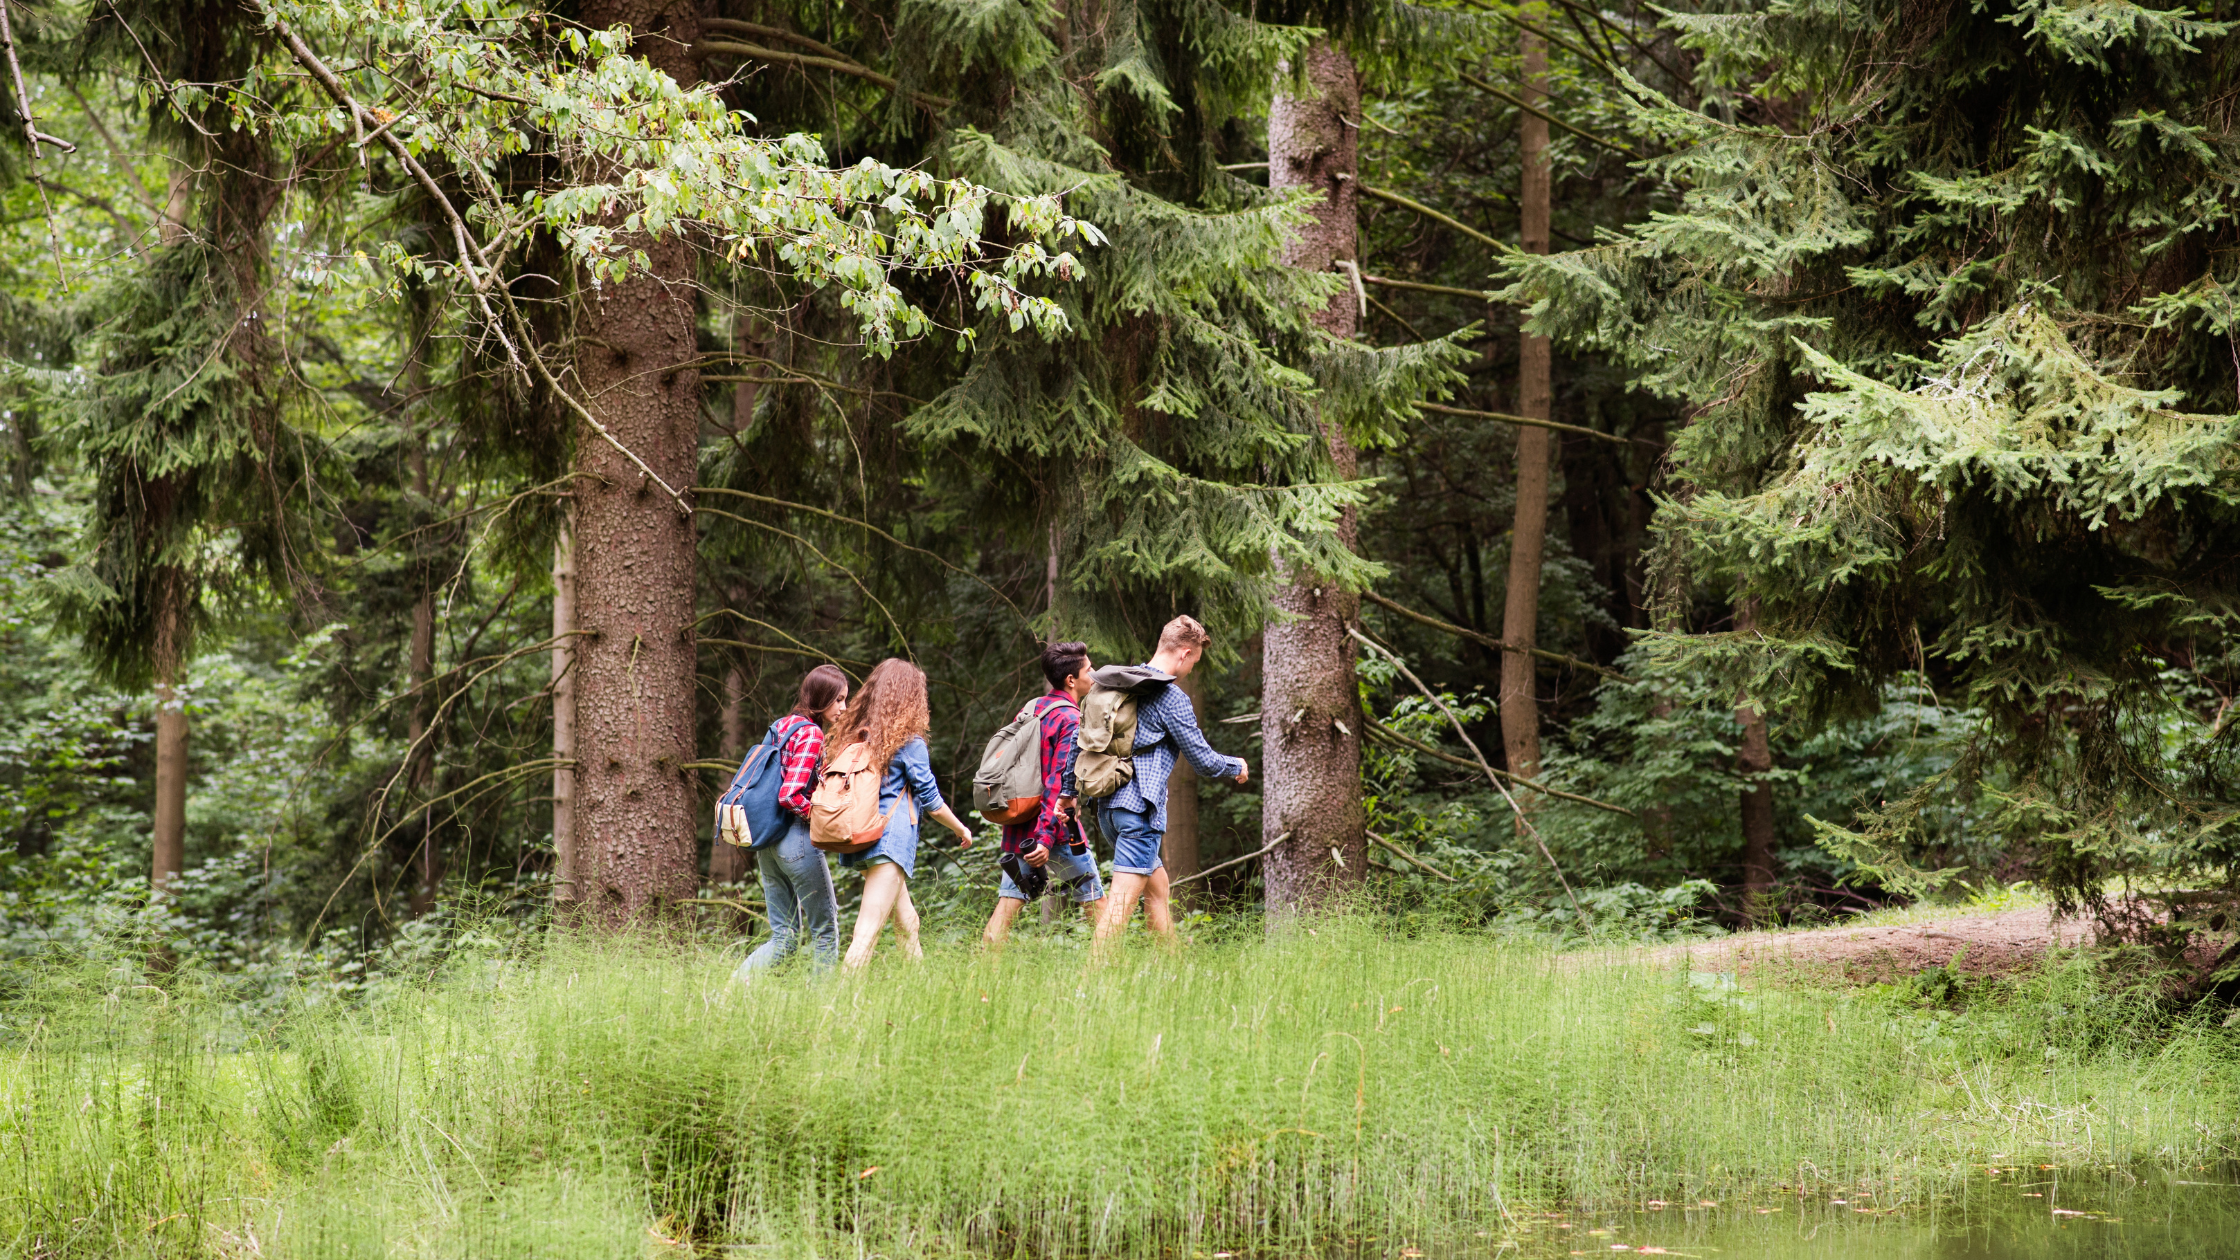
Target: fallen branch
[[1492, 776], [1487, 640], [740, 906], [1385, 732], [1411, 858], [1222, 866]]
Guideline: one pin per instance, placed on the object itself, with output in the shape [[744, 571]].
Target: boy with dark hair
[[1050, 842]]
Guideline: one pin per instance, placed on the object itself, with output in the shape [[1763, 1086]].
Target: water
[[2015, 1213]]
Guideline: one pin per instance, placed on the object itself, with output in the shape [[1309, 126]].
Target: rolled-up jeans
[[797, 887]]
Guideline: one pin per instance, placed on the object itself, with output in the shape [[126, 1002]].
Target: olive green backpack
[[1106, 760]]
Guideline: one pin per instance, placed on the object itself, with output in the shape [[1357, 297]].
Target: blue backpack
[[748, 814]]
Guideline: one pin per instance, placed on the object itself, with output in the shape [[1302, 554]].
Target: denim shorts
[[1077, 871], [1135, 842]]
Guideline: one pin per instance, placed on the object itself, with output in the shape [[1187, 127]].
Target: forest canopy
[[1642, 467]]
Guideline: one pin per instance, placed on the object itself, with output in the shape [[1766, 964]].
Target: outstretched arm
[[1181, 721]]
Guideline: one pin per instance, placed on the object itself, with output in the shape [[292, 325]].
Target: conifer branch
[[732, 48], [1624, 34], [850, 521], [757, 30], [1541, 114], [1410, 858], [1527, 421], [1493, 775], [1482, 295], [836, 566], [1384, 732], [1596, 59], [1235, 861], [1487, 640], [1409, 203]]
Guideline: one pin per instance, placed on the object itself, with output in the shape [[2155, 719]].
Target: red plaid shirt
[[798, 751], [1061, 725]]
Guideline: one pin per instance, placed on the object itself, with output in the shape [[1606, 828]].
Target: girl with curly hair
[[890, 714]]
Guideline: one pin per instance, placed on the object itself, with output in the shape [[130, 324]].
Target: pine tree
[[1945, 295]]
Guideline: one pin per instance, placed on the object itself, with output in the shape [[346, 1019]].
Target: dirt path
[[1983, 943]]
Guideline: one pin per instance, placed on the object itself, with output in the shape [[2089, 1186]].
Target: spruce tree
[[1948, 297], [177, 410]]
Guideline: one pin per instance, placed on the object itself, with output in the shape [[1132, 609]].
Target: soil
[[1972, 944], [1969, 944]]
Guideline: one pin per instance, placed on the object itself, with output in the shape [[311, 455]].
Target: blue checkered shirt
[[1165, 725]]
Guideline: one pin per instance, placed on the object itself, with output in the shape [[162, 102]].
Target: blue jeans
[[1076, 873], [1135, 842], [797, 887]]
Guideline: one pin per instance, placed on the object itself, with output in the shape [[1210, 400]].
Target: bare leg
[[1092, 911], [1158, 906], [883, 885], [999, 923], [906, 922], [1120, 904]]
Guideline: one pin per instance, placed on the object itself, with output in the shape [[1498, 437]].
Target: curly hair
[[888, 711]]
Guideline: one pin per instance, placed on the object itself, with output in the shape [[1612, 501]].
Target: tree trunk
[[566, 891], [173, 593], [727, 863], [421, 665], [637, 850], [1181, 848], [1754, 760], [1310, 705], [1520, 616], [419, 756]]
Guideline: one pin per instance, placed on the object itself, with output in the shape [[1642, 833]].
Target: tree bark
[[637, 850], [727, 863], [1181, 848], [421, 664], [565, 888], [1520, 702], [1754, 760], [174, 594], [1310, 704]]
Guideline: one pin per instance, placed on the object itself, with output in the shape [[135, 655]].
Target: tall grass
[[599, 1099]]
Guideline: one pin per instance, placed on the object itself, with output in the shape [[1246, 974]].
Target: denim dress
[[908, 782]]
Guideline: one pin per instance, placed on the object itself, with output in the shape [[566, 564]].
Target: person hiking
[[796, 882], [1134, 817], [890, 717], [1050, 840]]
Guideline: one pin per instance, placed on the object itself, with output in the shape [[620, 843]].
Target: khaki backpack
[[1007, 788], [844, 813], [1106, 759]]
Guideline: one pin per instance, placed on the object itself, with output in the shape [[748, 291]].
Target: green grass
[[593, 1099]]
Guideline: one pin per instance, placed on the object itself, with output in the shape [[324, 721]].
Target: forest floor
[[1879, 950], [1891, 945]]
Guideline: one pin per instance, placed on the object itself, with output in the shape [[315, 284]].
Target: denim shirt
[[909, 774]]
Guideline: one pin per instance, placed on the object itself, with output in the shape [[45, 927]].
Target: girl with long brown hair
[[796, 883], [891, 715]]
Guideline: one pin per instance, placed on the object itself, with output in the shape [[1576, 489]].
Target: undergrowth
[[566, 1097]]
